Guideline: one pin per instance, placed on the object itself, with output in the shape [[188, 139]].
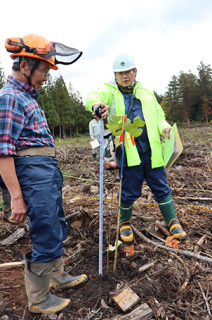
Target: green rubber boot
[[168, 212], [37, 279], [62, 280], [176, 230], [126, 232]]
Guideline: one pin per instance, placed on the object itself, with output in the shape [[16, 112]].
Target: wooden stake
[[111, 215], [118, 224]]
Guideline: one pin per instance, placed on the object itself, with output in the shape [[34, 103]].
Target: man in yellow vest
[[122, 95]]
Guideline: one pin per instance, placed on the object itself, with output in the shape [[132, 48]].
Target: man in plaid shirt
[[28, 168], [18, 103], [23, 123]]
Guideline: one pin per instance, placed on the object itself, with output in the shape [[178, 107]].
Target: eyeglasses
[[46, 74]]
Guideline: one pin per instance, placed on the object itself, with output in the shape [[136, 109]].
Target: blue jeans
[[133, 178]]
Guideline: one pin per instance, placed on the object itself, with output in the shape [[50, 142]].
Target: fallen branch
[[204, 297], [92, 314], [154, 235], [165, 231], [199, 243], [160, 313], [81, 161], [185, 253], [193, 198], [19, 233], [143, 312], [93, 221], [146, 266], [67, 260], [187, 272], [24, 312], [72, 215]]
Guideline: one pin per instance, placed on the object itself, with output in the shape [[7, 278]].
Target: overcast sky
[[164, 36]]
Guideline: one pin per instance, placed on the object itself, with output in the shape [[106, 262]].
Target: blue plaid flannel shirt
[[22, 122]]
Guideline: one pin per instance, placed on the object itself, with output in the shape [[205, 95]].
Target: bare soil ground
[[175, 287]]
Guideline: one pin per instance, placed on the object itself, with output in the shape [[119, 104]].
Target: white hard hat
[[123, 62]]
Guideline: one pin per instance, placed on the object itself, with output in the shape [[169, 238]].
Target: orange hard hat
[[19, 47]]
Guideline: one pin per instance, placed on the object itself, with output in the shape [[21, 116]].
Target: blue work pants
[[133, 178], [41, 184]]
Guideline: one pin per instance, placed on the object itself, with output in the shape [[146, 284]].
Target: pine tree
[[173, 98], [62, 103], [158, 97], [46, 103], [2, 78], [187, 94], [81, 115], [165, 105], [205, 89]]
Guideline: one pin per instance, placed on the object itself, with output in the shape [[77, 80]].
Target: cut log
[[11, 264], [143, 312], [19, 233]]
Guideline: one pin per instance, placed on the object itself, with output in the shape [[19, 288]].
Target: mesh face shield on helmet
[[62, 54], [52, 52]]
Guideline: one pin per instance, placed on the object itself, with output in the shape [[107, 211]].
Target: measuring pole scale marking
[[97, 112]]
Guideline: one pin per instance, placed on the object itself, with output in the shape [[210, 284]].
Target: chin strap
[[127, 89], [32, 71]]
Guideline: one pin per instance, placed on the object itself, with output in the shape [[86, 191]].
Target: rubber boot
[[176, 230], [7, 205], [37, 279], [167, 209], [94, 157], [126, 233], [61, 280]]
